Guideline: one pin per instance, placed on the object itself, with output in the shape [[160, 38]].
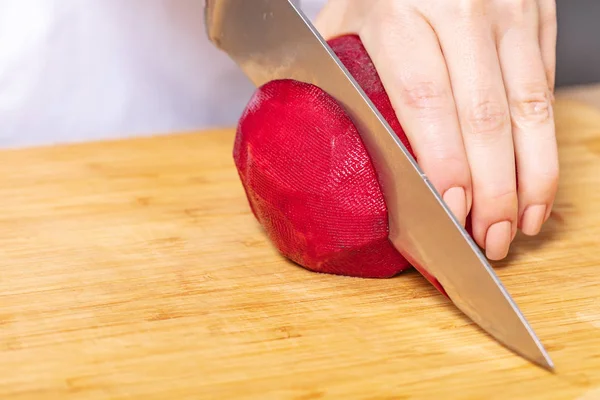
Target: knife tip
[[545, 361], [537, 354]]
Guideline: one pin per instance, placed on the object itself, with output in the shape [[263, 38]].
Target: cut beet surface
[[309, 179]]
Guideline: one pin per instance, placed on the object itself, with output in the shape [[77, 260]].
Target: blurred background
[[578, 45], [72, 70]]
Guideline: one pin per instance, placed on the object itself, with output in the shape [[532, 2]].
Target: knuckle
[[517, 10], [533, 107], [488, 117], [385, 13], [506, 195], [384, 24], [499, 202], [470, 9], [518, 7], [423, 95]]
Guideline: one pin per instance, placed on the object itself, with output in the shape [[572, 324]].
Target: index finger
[[409, 61]]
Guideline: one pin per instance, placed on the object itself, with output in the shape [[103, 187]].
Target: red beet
[[309, 179]]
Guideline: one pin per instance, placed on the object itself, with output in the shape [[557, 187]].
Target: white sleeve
[[73, 70]]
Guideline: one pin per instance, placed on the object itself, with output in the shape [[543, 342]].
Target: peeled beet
[[308, 177]]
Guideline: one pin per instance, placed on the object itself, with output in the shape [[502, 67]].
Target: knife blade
[[273, 39]]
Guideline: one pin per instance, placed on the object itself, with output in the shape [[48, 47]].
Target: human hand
[[471, 82]]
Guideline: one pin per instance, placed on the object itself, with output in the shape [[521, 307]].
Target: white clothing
[[73, 70]]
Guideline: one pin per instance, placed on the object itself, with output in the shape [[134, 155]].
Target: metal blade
[[273, 39]]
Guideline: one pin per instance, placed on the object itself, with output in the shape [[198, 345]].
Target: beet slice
[[309, 179]]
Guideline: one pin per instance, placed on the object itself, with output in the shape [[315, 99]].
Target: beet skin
[[309, 179]]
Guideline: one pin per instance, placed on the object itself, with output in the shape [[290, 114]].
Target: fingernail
[[456, 199], [497, 240], [532, 219]]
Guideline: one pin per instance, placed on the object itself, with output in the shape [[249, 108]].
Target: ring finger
[[529, 96]]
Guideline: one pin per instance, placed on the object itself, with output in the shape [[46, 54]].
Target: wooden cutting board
[[134, 269]]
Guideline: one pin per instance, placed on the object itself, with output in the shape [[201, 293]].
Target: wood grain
[[134, 270]]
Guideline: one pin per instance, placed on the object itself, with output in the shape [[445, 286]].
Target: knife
[[273, 39]]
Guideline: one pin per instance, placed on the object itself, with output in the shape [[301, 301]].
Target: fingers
[[480, 69], [469, 46], [413, 71], [529, 97], [547, 38]]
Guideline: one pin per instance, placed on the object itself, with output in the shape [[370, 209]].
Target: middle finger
[[470, 51]]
